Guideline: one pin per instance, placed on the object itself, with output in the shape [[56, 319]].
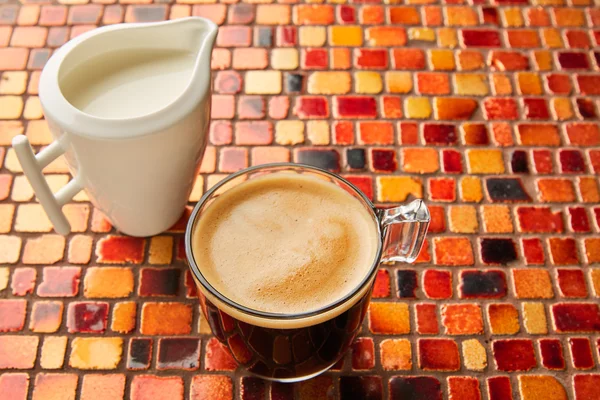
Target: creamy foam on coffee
[[285, 243]]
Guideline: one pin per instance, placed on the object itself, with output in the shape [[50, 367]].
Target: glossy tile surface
[[487, 109]]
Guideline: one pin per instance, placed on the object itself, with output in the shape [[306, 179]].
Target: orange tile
[[124, 317], [386, 36], [452, 251], [433, 83], [89, 353], [389, 318], [503, 319], [313, 14], [422, 161], [462, 319], [396, 354], [345, 35], [454, 108], [532, 283], [166, 319]]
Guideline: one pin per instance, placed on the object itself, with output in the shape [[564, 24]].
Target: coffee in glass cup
[[285, 257]]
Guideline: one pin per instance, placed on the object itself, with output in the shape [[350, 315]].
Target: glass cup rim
[[269, 315]]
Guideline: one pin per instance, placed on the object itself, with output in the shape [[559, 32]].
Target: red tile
[[581, 353], [433, 83], [438, 355], [355, 107], [533, 251], [440, 134], [563, 251], [442, 189], [508, 61], [409, 133], [314, 58], [12, 315], [571, 282], [87, 317], [480, 38], [437, 284], [539, 220], [499, 388], [211, 387], [432, 16], [500, 108], [578, 39], [514, 354], [551, 352], [583, 134], [346, 14], [538, 17], [576, 317], [392, 107], [120, 250], [375, 132], [364, 183], [312, 107], [343, 132], [426, 319], [595, 160], [490, 15], [363, 354], [438, 219], [520, 38], [287, 36], [536, 109], [381, 288], [408, 59], [452, 162], [578, 219], [370, 58], [542, 160], [217, 357], [559, 83], [463, 388], [586, 386]]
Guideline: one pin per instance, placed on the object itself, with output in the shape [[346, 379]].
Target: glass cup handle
[[404, 228]]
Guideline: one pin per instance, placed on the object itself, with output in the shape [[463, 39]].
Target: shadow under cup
[[283, 347]]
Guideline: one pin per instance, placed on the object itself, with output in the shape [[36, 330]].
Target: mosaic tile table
[[486, 110]]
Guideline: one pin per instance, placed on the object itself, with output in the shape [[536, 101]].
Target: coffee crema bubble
[[285, 243]]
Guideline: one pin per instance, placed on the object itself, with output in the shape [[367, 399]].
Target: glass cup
[[295, 347]]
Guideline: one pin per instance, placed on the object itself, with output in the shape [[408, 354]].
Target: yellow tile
[[562, 107], [512, 17], [543, 59], [286, 59], [108, 282], [13, 82], [368, 82], [501, 84], [534, 318], [7, 212], [463, 219], [552, 38], [4, 274], [417, 107], [535, 387], [485, 161], [396, 354], [38, 132], [548, 2], [96, 352], [263, 82], [423, 34], [33, 108], [442, 60], [197, 189], [8, 130], [529, 83], [273, 14], [496, 219], [312, 36], [474, 355], [53, 352], [397, 188], [470, 84], [398, 82], [345, 35], [329, 82], [161, 250], [447, 37], [124, 316], [10, 248], [318, 132], [470, 189], [289, 132], [10, 107], [32, 218]]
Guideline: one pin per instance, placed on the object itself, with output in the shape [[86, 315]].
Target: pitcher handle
[[404, 228], [33, 165]]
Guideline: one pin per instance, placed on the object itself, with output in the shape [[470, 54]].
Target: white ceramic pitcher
[[139, 171]]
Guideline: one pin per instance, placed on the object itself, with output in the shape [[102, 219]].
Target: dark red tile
[[381, 288], [139, 355], [252, 388], [542, 160], [437, 284], [480, 38], [533, 251], [12, 315], [442, 189], [571, 161], [578, 219], [371, 58], [498, 251], [586, 108], [326, 159], [251, 107], [439, 134], [191, 290], [384, 160], [571, 60], [586, 386], [355, 107], [551, 352], [499, 388], [514, 355], [415, 388], [539, 220], [311, 107], [490, 15], [178, 353], [486, 284], [536, 109], [120, 250], [506, 190], [438, 355], [576, 317], [23, 281], [155, 282], [59, 282], [427, 323], [287, 36], [281, 391], [363, 354], [519, 163], [314, 58], [571, 282], [406, 281], [217, 357], [346, 14], [87, 317], [361, 387], [581, 353], [452, 162]]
